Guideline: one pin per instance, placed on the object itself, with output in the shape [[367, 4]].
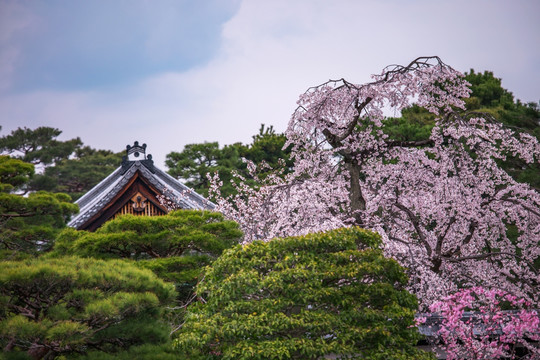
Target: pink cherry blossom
[[443, 205]]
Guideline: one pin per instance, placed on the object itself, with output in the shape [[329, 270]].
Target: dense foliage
[[304, 298], [64, 166], [28, 224], [14, 173], [193, 164], [196, 160], [78, 174], [163, 351], [175, 246], [38, 146], [69, 305]]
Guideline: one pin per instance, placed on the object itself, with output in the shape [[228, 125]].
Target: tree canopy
[[64, 166], [38, 146], [176, 246], [50, 307], [444, 206], [78, 174], [14, 173], [28, 224], [193, 164], [196, 160], [303, 298]]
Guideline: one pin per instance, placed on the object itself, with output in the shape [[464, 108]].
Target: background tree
[[28, 224], [50, 307], [443, 205], [64, 166], [14, 173], [196, 161], [38, 146], [489, 97], [488, 93], [268, 147], [304, 298], [78, 174]]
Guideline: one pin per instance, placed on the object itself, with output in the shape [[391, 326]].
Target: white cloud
[[271, 51]]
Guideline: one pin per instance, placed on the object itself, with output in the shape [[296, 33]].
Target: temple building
[[136, 187]]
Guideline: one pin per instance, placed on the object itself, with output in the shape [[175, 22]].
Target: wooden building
[[136, 187]]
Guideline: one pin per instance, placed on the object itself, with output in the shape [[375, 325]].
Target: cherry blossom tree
[[444, 207]]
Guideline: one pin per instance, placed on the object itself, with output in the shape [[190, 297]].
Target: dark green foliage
[[14, 355], [197, 160], [415, 124], [175, 246], [267, 146], [304, 298], [38, 146], [28, 224], [77, 175], [142, 352], [14, 173], [69, 304], [69, 167], [487, 91], [489, 96]]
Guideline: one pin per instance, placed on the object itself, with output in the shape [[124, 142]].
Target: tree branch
[[18, 215], [420, 143], [472, 227], [487, 255], [359, 107], [416, 223], [513, 201], [441, 237]]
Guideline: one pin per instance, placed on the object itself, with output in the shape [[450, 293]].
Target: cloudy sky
[[174, 72]]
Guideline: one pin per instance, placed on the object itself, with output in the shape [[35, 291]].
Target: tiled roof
[[101, 194]]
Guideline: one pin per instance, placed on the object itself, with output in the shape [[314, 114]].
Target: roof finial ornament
[[137, 153]]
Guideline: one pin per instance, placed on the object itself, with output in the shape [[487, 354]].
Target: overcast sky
[[170, 73]]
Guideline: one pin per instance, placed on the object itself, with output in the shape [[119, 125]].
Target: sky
[[174, 72]]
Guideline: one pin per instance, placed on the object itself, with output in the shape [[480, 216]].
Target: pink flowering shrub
[[487, 324]]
